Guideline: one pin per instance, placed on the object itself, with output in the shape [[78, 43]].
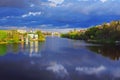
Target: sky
[[54, 14]]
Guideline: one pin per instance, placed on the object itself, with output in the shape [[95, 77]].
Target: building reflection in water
[[22, 46], [32, 48], [36, 46], [110, 51]]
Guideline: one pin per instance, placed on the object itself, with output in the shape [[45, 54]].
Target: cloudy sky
[[58, 13]]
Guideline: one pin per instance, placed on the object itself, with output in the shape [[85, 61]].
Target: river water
[[59, 59]]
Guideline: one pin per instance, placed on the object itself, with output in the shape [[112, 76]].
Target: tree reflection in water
[[3, 49], [32, 48], [111, 51]]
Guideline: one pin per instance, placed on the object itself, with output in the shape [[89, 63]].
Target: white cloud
[[54, 3], [31, 14], [88, 70], [7, 17], [83, 0], [103, 1], [95, 0], [67, 5], [58, 69]]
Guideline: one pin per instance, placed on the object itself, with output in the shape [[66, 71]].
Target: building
[[32, 36], [55, 34], [22, 31]]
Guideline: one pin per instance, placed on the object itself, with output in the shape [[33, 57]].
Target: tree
[[3, 36], [41, 36], [15, 36]]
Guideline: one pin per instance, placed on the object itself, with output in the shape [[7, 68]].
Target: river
[[59, 59]]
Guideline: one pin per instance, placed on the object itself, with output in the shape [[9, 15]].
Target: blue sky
[[53, 14]]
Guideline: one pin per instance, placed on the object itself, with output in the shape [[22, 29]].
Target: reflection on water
[[36, 46], [15, 48], [58, 69], [111, 51], [91, 70], [59, 59], [3, 49], [31, 48]]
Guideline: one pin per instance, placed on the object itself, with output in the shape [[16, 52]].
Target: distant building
[[32, 36], [36, 36], [22, 31], [56, 34], [82, 30]]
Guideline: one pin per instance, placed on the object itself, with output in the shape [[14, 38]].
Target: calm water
[[59, 59]]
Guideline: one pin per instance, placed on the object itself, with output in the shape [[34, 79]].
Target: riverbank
[[103, 42], [19, 36], [22, 41], [107, 33]]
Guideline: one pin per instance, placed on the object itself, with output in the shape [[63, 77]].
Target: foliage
[[107, 32], [41, 36], [74, 35], [3, 35], [13, 36], [3, 49]]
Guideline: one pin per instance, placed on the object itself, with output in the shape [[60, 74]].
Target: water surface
[[59, 59]]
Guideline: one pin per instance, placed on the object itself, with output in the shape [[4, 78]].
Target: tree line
[[107, 32], [13, 36]]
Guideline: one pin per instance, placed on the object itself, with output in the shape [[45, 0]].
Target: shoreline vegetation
[[107, 33], [20, 36]]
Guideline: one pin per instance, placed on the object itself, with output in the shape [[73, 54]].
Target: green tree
[[41, 36], [3, 35], [15, 36]]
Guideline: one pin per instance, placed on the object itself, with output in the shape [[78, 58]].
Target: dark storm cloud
[[17, 3], [12, 3], [75, 13]]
